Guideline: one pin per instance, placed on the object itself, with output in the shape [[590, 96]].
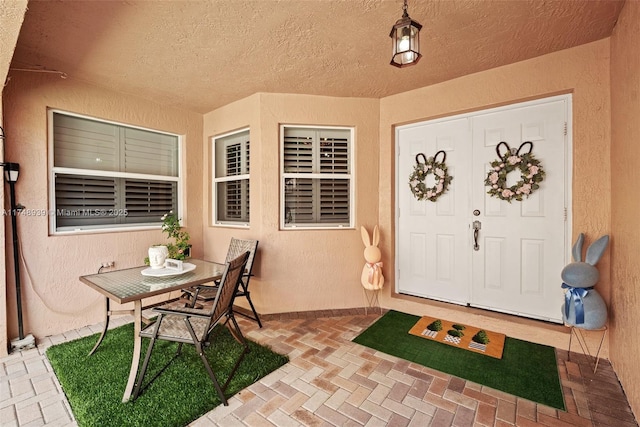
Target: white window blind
[[107, 175], [231, 178], [316, 176]]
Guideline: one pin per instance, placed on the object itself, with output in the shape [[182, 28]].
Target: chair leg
[[255, 313], [235, 331], [237, 334], [138, 386], [212, 375], [145, 364]]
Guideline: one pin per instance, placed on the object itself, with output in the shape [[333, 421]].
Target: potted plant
[[179, 248]]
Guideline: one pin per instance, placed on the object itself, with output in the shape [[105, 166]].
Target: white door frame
[[568, 175]]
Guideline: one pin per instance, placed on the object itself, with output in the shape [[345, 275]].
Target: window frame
[[215, 180], [108, 228], [350, 177]]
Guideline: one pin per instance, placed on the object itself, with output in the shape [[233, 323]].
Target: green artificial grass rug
[[182, 393], [526, 369]]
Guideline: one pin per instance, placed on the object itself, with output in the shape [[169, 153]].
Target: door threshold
[[468, 309]]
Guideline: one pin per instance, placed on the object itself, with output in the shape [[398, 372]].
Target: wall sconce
[[405, 37], [11, 172]]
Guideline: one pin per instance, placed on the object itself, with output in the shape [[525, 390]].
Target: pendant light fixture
[[405, 36]]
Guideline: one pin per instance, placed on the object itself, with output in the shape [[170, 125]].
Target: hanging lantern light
[[405, 36]]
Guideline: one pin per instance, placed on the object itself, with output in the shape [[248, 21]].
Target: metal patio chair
[[207, 293], [186, 325]]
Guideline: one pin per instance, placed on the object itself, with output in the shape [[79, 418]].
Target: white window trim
[[101, 229], [214, 181], [350, 176]]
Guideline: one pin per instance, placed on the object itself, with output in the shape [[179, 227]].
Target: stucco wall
[[298, 270], [4, 343], [11, 17], [54, 299], [583, 71], [625, 203]]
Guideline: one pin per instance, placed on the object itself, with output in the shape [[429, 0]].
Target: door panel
[[532, 232], [431, 239], [532, 261]]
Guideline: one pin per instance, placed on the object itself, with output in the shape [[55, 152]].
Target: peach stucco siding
[[54, 300], [298, 270], [11, 17], [625, 202]]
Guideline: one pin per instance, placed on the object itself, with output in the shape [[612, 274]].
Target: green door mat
[[527, 370]]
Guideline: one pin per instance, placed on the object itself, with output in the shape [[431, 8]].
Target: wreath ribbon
[[435, 158], [374, 267], [498, 149], [576, 295], [522, 145], [513, 150]]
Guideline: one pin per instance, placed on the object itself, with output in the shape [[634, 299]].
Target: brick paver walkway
[[331, 381]]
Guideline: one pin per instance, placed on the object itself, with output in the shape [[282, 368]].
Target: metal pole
[[16, 263]]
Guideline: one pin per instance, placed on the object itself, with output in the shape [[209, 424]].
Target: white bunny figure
[[583, 306], [372, 278]]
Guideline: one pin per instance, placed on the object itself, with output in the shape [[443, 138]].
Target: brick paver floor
[[331, 381]]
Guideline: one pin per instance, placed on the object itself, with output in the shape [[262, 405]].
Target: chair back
[[223, 304], [239, 246]]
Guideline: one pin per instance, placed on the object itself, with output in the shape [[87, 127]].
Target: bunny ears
[[594, 252], [367, 240]]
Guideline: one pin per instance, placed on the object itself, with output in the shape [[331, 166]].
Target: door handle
[[477, 225]]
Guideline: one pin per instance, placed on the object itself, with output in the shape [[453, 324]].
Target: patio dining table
[[130, 285]]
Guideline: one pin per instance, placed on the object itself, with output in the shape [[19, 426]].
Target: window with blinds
[[107, 175], [316, 177], [231, 179]]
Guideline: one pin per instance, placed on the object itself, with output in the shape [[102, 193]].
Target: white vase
[[157, 256]]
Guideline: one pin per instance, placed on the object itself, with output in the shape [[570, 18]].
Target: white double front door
[[513, 262]]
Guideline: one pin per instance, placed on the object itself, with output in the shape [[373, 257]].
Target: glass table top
[[130, 285]]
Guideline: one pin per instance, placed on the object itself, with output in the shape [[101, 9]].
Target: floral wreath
[[419, 175], [531, 173]]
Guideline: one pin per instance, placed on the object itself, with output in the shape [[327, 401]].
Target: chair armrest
[[183, 311], [215, 285]]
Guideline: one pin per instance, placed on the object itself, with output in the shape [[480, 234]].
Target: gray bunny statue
[[584, 307]]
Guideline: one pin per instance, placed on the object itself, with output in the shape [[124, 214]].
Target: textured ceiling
[[11, 15], [200, 55]]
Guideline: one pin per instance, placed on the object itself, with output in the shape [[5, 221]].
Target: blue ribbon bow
[[575, 294]]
